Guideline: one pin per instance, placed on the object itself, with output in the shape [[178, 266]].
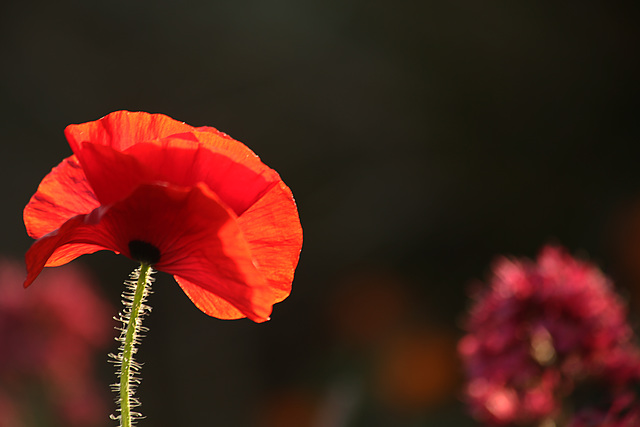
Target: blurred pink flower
[[49, 337], [536, 331]]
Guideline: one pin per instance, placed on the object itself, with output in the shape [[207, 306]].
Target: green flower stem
[[134, 297]]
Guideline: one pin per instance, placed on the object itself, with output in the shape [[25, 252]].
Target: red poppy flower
[[193, 202]]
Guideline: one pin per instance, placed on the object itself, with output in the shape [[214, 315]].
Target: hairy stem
[[138, 288]]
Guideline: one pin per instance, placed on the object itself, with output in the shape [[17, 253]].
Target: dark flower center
[[144, 252]]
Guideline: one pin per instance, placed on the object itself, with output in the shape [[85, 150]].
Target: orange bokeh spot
[[418, 370], [368, 306], [289, 408]]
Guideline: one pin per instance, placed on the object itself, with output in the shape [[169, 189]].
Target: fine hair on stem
[[137, 289]]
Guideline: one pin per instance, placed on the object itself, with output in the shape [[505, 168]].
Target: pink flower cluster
[[48, 339], [537, 333]]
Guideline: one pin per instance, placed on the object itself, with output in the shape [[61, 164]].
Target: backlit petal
[[204, 245], [236, 175], [67, 253], [209, 302], [192, 200], [273, 231], [122, 129], [113, 174], [272, 228], [235, 150], [62, 194], [82, 234], [196, 233]]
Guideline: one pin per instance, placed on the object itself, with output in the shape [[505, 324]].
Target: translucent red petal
[[114, 175], [80, 235], [62, 194], [272, 228], [208, 302], [196, 233], [122, 129], [225, 224], [227, 166]]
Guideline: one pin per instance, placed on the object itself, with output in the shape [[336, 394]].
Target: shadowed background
[[420, 139]]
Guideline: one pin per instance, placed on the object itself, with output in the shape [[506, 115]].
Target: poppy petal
[[222, 143], [237, 176], [272, 228], [122, 129], [62, 194], [195, 232], [113, 174], [207, 248], [204, 205], [228, 167], [67, 253], [209, 302], [273, 231], [82, 234]]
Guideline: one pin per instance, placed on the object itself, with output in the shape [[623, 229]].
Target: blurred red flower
[[193, 202], [538, 332], [49, 341]]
